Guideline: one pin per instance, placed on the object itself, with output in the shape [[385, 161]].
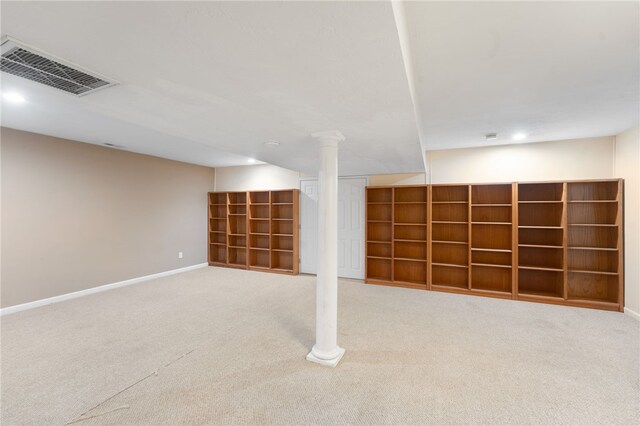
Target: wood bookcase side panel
[[449, 193], [540, 191], [500, 214], [593, 213], [450, 232], [379, 249], [282, 260], [218, 198], [410, 213], [379, 212], [540, 214], [237, 256], [217, 253], [410, 232], [410, 194], [449, 277], [259, 226], [410, 272], [491, 194], [491, 257], [583, 236], [238, 241], [259, 197], [282, 197], [491, 278], [237, 225], [282, 227], [449, 212], [379, 231], [218, 225], [593, 287], [282, 243], [259, 241], [542, 257], [410, 250], [259, 258], [237, 209], [540, 283], [218, 238], [490, 236], [380, 195], [592, 260], [237, 197], [379, 269], [593, 190], [453, 254], [217, 211], [259, 211]]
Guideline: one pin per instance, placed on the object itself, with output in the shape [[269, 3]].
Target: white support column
[[326, 350]]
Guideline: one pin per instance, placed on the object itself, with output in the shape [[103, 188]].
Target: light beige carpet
[[223, 346]]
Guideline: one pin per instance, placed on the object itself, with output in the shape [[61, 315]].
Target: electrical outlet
[[179, 255]]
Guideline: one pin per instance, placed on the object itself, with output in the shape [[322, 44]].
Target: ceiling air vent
[[26, 62]]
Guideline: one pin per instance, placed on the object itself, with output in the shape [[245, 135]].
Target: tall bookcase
[[379, 212], [594, 243], [492, 239], [449, 236], [410, 236], [218, 228], [255, 230], [237, 229], [541, 237], [397, 235], [550, 242]]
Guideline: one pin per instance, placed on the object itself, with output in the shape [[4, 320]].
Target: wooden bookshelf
[[594, 243], [410, 236], [255, 230], [550, 242], [217, 251], [237, 230], [284, 231], [379, 231], [397, 235], [449, 237], [541, 236], [491, 241]]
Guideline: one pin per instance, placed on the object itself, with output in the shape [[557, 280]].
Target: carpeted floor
[[224, 346]]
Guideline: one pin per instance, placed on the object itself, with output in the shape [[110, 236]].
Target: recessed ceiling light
[[251, 160], [271, 143], [14, 97], [519, 136]]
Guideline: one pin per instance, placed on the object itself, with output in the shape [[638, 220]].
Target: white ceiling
[[229, 75], [554, 70], [209, 82]]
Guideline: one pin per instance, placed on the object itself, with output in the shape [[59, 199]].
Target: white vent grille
[[26, 62]]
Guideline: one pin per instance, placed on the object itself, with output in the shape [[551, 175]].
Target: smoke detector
[[27, 62]]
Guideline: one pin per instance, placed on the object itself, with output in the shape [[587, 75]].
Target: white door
[[350, 226]]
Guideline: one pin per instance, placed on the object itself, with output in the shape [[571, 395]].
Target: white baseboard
[[81, 293], [632, 314]]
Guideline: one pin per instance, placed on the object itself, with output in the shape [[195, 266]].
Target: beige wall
[[591, 158], [255, 178], [627, 162], [76, 216], [398, 179]]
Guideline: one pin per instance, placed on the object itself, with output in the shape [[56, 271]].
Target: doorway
[[351, 218]]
